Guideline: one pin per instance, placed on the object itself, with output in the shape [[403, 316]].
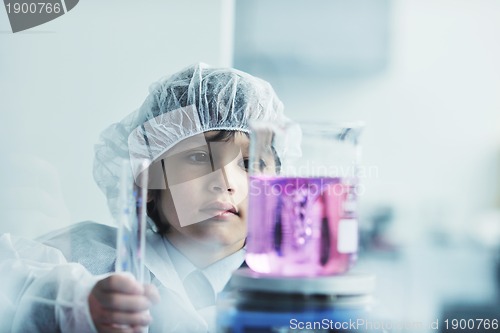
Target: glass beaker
[[303, 198]]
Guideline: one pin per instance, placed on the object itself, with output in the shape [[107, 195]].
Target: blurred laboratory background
[[425, 78], [424, 75]]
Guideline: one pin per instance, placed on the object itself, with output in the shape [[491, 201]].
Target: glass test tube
[[130, 247]]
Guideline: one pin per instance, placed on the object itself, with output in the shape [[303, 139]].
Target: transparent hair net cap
[[195, 100]]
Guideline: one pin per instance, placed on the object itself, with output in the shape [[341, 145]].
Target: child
[[193, 127]]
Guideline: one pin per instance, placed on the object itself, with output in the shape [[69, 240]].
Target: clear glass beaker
[[303, 198]]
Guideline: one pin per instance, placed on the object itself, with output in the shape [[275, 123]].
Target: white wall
[[63, 82]]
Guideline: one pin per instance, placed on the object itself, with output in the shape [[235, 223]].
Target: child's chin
[[229, 217], [227, 237]]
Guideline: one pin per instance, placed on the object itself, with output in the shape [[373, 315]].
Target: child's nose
[[221, 182]]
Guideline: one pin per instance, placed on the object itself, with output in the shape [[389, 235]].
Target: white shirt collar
[[181, 264], [218, 273]]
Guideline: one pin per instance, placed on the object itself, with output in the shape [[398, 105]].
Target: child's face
[[206, 197]]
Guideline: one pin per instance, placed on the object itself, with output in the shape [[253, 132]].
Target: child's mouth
[[214, 212], [226, 213], [220, 209]]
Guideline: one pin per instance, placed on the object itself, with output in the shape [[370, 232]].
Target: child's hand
[[118, 303]]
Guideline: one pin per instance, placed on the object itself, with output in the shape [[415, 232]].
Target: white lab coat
[[47, 285]]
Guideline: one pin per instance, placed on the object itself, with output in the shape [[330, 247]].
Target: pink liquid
[[301, 226]]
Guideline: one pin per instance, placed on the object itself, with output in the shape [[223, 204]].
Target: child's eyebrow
[[217, 138], [224, 136]]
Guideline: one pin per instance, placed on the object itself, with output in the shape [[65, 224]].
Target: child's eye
[[246, 162], [199, 157], [243, 163]]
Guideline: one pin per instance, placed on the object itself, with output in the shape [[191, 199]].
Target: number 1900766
[[471, 324], [33, 8]]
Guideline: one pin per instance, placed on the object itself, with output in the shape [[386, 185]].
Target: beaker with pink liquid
[[303, 196]]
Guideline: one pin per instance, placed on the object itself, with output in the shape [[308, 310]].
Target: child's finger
[[121, 283], [123, 302], [151, 292], [120, 329], [126, 319]]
